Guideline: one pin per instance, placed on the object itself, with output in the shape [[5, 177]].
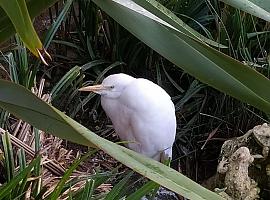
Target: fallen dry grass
[[55, 157]]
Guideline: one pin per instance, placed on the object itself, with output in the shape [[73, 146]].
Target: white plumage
[[142, 113]]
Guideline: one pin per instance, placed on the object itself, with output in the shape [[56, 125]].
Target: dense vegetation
[[86, 44]]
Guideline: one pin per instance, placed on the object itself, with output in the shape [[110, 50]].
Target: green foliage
[[115, 193], [17, 181], [149, 188], [18, 186], [260, 9], [217, 70], [6, 25], [21, 70], [27, 180], [58, 190], [20, 18], [33, 110], [48, 38], [8, 154], [99, 39]]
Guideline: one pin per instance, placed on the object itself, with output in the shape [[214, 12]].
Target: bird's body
[[142, 114]]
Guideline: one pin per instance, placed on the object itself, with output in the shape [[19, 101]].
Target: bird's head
[[112, 86]]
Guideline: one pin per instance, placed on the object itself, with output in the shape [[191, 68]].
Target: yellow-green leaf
[[19, 16]]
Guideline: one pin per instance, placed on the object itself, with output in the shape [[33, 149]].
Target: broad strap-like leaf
[[262, 3], [152, 8], [35, 110], [34, 8], [258, 8], [196, 58], [25, 105], [19, 16], [14, 17]]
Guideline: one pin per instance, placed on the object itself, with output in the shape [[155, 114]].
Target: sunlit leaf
[[14, 17], [19, 16]]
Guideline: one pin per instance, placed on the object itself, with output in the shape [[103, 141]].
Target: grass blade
[[55, 194], [65, 81], [144, 190], [9, 159], [6, 188], [116, 191]]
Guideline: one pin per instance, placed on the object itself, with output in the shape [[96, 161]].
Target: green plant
[[16, 17], [170, 38], [27, 180], [216, 69], [40, 114]]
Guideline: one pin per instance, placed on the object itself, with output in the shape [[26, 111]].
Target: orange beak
[[93, 88]]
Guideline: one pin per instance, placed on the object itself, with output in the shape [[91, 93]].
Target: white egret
[[141, 112]]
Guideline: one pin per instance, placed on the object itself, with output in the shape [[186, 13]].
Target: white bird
[[141, 112]]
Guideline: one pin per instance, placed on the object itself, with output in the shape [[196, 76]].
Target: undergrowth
[[89, 45]]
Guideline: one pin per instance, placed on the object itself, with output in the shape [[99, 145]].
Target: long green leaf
[[205, 63], [51, 32], [34, 8], [49, 36], [65, 81], [88, 189], [28, 107], [5, 189], [258, 9], [35, 110], [9, 157], [20, 18], [176, 23], [58, 189], [118, 188], [263, 4], [145, 189]]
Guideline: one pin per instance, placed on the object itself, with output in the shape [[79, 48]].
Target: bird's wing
[[121, 116], [152, 119]]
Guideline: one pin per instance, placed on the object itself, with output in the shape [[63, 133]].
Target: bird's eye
[[111, 87]]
